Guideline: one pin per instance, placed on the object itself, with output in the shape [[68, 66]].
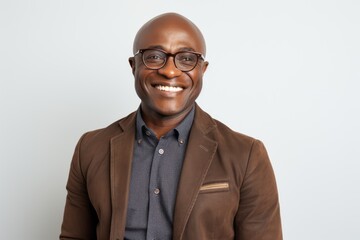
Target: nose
[[169, 70]]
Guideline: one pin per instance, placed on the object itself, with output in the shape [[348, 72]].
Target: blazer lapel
[[199, 155], [120, 169]]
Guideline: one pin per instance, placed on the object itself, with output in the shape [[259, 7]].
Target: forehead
[[171, 35]]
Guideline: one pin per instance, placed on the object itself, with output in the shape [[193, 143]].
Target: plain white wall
[[286, 72]]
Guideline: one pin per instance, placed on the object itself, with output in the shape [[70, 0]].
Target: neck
[[162, 124]]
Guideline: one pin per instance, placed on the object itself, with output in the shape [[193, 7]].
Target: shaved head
[[163, 26], [168, 93]]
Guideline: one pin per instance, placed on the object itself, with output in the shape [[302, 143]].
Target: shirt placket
[[155, 192]]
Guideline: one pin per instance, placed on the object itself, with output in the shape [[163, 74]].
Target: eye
[[186, 58], [154, 56]]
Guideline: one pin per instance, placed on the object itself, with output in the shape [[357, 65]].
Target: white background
[[286, 72]]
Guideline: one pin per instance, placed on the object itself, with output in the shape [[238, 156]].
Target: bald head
[[166, 29]]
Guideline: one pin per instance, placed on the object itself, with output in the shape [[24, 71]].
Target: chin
[[171, 110]]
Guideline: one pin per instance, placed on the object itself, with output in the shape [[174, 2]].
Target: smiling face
[[168, 92]]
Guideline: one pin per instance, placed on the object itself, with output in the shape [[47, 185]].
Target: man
[[168, 170]]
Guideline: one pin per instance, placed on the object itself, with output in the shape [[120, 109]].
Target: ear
[[204, 67], [132, 64]]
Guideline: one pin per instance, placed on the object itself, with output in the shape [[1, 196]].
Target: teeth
[[169, 88]]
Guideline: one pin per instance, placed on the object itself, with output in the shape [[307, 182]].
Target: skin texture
[[162, 110]]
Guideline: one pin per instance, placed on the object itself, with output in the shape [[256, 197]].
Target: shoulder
[[94, 146], [220, 132], [236, 143], [104, 135], [227, 132]]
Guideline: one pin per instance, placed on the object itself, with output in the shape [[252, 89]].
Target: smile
[[168, 88]]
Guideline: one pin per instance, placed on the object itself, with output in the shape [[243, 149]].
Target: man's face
[[168, 91]]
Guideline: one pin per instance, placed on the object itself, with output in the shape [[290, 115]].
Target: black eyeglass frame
[[199, 56]]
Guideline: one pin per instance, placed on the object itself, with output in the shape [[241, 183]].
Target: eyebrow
[[181, 49], [187, 49]]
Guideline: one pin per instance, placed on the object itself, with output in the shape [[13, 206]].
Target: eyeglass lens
[[155, 59]]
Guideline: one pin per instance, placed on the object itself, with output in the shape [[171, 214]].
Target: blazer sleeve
[[258, 216], [80, 219]]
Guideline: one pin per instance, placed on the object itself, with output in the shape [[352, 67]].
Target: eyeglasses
[[156, 58]]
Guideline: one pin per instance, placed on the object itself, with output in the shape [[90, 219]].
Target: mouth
[[169, 88]]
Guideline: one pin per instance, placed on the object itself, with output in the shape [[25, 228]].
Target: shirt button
[[161, 151], [148, 133], [181, 141], [139, 140], [157, 191]]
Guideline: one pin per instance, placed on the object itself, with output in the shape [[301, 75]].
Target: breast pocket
[[213, 214]]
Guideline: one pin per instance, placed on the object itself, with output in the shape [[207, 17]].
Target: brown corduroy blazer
[[227, 188]]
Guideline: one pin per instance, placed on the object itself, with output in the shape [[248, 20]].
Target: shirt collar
[[182, 130]]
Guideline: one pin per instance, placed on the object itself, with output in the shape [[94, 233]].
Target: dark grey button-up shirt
[[155, 174]]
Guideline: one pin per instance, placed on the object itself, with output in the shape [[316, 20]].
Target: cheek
[[196, 78], [140, 76], [140, 71], [139, 83], [196, 86]]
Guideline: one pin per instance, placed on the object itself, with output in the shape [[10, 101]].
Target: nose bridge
[[169, 69]]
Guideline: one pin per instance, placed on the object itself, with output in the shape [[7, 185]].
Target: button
[[181, 141], [148, 132], [161, 151], [157, 191], [139, 141]]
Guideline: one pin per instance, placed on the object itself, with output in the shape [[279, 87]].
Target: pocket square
[[221, 186]]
